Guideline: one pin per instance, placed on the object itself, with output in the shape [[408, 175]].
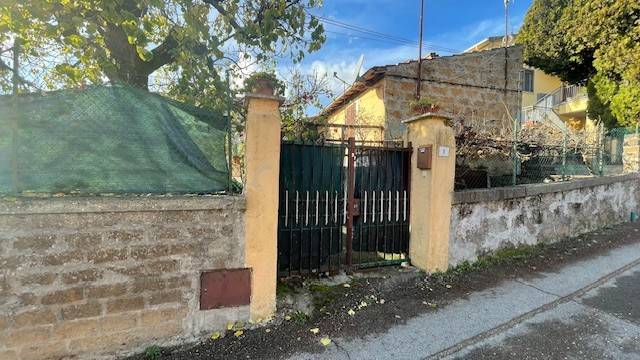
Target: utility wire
[[388, 37], [361, 29], [367, 38], [431, 47], [379, 35]]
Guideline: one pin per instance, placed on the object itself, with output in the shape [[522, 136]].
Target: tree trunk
[[138, 80], [131, 78]]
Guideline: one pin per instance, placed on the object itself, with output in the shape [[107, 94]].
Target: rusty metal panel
[[225, 288], [425, 154]]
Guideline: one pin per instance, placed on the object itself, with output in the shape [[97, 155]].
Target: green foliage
[[598, 108], [300, 317], [152, 352], [589, 39], [423, 103], [182, 46], [323, 294], [504, 256], [284, 289], [263, 78], [545, 45]]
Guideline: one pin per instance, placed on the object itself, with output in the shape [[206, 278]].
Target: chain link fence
[[537, 154]]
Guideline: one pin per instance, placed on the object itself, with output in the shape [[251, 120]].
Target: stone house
[[475, 87]]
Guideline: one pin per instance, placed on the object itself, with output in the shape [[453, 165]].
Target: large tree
[[596, 41], [183, 45]]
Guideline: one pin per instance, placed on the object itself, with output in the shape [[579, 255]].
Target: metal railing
[[545, 108], [552, 100], [572, 91]]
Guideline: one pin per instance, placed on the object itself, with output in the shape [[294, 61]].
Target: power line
[[379, 35], [383, 40], [412, 44], [367, 38], [361, 29], [384, 36]]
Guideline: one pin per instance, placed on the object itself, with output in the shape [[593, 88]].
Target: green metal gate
[[342, 205]]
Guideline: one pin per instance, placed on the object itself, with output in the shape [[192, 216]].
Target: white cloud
[[347, 59]]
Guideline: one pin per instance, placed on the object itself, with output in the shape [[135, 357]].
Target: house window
[[527, 81]]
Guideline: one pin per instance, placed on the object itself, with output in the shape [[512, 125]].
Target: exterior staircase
[[544, 109]]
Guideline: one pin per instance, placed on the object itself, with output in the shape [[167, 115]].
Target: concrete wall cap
[[277, 98], [74, 205], [520, 191], [429, 115]]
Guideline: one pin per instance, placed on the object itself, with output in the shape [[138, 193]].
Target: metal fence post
[[15, 187], [600, 149], [564, 156], [514, 153], [229, 134], [351, 172], [14, 122]]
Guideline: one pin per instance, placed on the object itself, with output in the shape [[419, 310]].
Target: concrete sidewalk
[[588, 309]]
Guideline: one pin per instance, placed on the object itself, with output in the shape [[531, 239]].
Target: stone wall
[[484, 221], [631, 153], [107, 275], [469, 86]]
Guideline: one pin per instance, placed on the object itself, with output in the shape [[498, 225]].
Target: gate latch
[[356, 207]]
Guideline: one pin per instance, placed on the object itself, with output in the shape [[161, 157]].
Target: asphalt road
[[604, 323], [586, 310]]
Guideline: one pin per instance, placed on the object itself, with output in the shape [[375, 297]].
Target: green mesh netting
[[109, 140]]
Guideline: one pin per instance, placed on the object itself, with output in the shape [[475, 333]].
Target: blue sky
[[450, 24]]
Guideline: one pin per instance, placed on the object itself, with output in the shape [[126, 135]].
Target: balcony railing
[[560, 95], [546, 107]]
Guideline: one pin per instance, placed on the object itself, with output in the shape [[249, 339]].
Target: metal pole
[[14, 118], [420, 49], [564, 156], [350, 198], [16, 65], [229, 134], [506, 46], [506, 23], [600, 149], [514, 153]]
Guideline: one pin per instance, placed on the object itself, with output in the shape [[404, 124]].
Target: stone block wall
[[468, 86], [484, 221], [631, 153], [96, 277]]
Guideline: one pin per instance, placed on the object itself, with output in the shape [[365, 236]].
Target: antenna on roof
[[356, 75], [345, 84], [506, 23]]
